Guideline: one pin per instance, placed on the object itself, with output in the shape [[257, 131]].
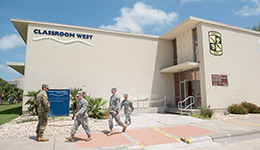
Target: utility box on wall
[[59, 102]]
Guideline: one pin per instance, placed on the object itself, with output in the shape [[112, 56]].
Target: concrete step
[[178, 112], [186, 112], [145, 111]]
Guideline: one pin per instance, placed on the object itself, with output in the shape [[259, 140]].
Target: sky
[[153, 17]]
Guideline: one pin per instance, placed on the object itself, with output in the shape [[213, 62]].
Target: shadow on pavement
[[32, 138], [106, 132]]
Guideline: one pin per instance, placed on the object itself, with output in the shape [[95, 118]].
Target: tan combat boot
[[40, 138], [70, 138], [124, 127], [111, 132], [88, 139], [37, 137]]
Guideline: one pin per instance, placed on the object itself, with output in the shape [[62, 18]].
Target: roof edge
[[200, 20], [17, 66], [224, 25], [14, 20], [178, 25]]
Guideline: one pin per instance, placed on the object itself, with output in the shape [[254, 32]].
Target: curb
[[201, 139], [234, 134]]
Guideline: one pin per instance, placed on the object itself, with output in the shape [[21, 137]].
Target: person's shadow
[[33, 138], [106, 132], [77, 139]]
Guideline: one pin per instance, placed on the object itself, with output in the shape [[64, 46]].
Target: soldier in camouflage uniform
[[43, 108], [129, 108], [114, 106], [81, 115]]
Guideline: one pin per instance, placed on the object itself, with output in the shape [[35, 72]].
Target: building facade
[[17, 82], [214, 63]]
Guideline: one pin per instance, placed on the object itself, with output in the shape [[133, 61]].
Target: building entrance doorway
[[189, 88], [187, 84], [186, 88]]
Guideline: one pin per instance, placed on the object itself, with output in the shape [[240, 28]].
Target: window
[[175, 58], [196, 50]]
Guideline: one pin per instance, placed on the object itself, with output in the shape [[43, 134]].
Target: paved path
[[147, 131]]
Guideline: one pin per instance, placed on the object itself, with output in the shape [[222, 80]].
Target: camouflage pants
[[117, 118], [42, 122], [127, 118], [83, 121]]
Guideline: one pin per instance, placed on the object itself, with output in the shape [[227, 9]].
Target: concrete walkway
[[147, 131]]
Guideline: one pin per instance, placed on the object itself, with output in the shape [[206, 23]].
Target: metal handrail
[[147, 98], [137, 100], [163, 99], [180, 103]]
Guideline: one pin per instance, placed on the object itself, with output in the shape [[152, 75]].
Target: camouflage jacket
[[82, 108], [114, 103], [42, 102], [128, 105]]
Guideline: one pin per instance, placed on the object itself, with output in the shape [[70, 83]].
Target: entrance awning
[[18, 66], [180, 67]]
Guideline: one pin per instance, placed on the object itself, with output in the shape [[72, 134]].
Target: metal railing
[[148, 101], [139, 99], [157, 96], [154, 98], [180, 103]]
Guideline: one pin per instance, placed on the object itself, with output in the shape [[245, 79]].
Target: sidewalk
[[147, 131]]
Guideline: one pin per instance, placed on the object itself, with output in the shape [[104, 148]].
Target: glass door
[[187, 83], [186, 90]]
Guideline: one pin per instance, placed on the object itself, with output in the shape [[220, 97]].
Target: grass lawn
[[9, 112]]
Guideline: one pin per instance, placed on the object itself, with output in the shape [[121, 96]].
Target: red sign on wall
[[219, 80]]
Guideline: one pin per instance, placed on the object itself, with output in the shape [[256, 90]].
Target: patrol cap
[[79, 93], [45, 86], [125, 94], [112, 89]]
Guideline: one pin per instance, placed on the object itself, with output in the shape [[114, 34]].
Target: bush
[[15, 101], [251, 108], [206, 113], [94, 104], [94, 108], [237, 109], [32, 101], [73, 98], [105, 115]]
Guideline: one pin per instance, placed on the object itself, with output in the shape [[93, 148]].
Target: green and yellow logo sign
[[215, 43]]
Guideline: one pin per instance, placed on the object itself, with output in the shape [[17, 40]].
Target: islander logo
[[215, 43]]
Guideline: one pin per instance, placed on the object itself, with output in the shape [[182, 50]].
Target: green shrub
[[251, 108], [206, 113], [32, 101], [237, 109], [94, 109], [15, 101], [73, 98]]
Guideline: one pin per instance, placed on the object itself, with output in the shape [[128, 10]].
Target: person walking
[[43, 108], [128, 109], [81, 114], [114, 106]]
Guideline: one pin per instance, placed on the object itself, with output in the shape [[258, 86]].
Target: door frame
[[184, 82]]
